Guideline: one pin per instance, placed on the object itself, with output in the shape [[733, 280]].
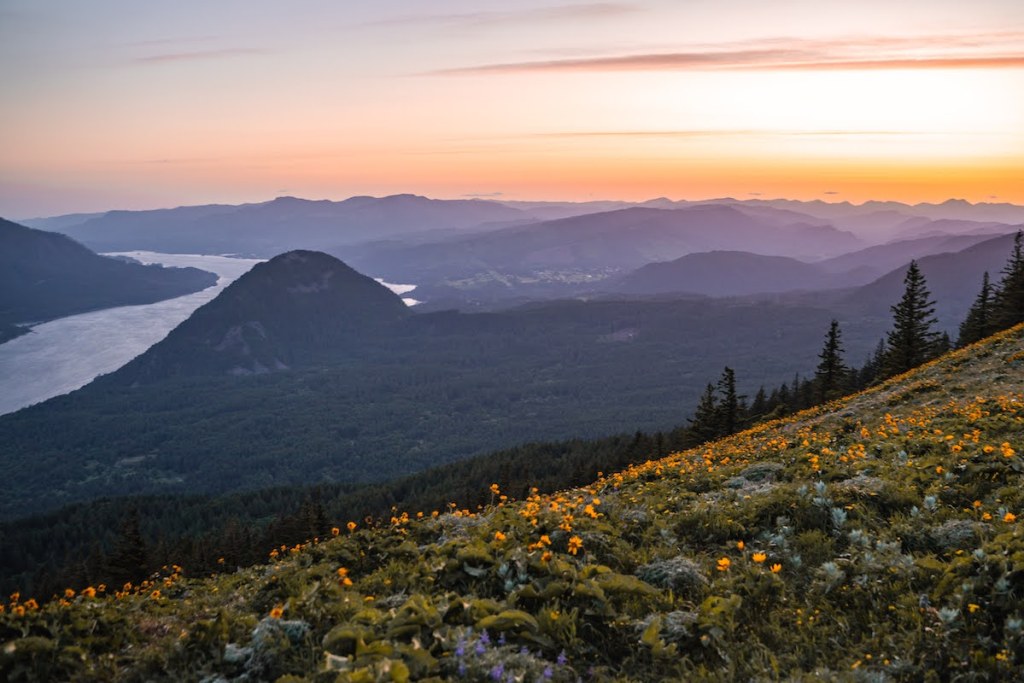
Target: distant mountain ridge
[[45, 275], [285, 223]]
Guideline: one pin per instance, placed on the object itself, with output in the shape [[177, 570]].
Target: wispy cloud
[[720, 133], [199, 55], [991, 50], [483, 195], [574, 12]]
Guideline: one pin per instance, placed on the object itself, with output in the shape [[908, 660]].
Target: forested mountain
[[727, 273], [295, 309], [873, 538], [44, 275]]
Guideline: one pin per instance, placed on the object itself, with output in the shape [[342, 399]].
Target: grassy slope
[[873, 539]]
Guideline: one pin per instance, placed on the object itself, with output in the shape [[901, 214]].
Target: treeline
[[115, 540], [912, 341]]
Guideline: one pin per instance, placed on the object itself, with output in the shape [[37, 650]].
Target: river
[[62, 355]]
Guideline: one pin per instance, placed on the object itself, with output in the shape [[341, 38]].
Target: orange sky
[[117, 104]]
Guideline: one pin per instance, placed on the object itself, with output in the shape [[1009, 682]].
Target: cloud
[[575, 12], [830, 192], [483, 195], [991, 50], [725, 132], [199, 55]]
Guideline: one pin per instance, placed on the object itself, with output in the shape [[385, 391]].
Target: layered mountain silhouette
[[45, 275], [291, 310], [618, 240], [276, 226]]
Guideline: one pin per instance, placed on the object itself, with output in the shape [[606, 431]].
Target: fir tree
[[832, 373], [912, 341], [129, 559], [729, 408], [703, 424], [1009, 300], [979, 322], [760, 405]]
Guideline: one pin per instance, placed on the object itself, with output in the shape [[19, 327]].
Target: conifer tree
[[832, 373], [729, 407], [912, 341], [1009, 300], [129, 559], [760, 405], [703, 423], [979, 322]]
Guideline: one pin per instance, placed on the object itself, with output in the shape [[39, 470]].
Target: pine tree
[[912, 341], [129, 559], [1009, 300], [729, 407], [832, 373], [703, 424], [979, 322], [760, 405]]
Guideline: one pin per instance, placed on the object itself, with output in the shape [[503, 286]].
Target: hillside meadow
[[875, 538]]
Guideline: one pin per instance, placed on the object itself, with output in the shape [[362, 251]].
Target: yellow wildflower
[[759, 557]]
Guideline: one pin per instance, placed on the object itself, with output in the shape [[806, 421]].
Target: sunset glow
[[127, 105]]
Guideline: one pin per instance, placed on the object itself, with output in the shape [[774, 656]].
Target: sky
[[124, 104]]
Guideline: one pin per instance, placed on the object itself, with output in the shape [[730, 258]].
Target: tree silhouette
[[912, 341], [979, 322], [1009, 300], [831, 374]]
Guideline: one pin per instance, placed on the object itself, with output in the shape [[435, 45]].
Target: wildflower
[[498, 536], [351, 526], [759, 557], [546, 556], [89, 592], [155, 595], [776, 568], [723, 564], [545, 539], [562, 659], [986, 516], [18, 611], [1009, 518], [220, 560], [1007, 451], [277, 612], [972, 607], [938, 469], [740, 545], [335, 531], [976, 504], [575, 543], [31, 604], [69, 593], [495, 490]]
